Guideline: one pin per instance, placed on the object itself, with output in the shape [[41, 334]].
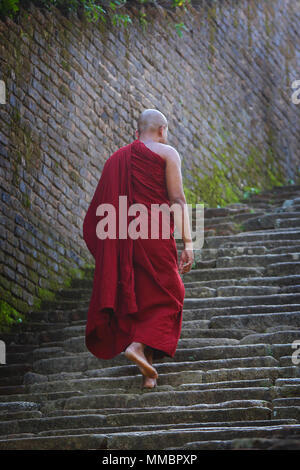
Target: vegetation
[[94, 11], [8, 316]]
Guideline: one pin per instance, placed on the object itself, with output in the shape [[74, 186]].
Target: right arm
[[176, 195]]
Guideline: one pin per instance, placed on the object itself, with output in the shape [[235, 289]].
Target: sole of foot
[[140, 360]]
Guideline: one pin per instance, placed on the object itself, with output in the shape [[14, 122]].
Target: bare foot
[[148, 382], [135, 353]]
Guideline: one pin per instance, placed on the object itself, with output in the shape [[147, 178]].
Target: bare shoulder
[[167, 152]]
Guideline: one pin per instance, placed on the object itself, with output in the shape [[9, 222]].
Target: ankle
[[137, 346]]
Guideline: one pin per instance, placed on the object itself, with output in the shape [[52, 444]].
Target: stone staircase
[[232, 383]]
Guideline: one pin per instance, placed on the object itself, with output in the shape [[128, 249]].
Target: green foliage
[[249, 191], [9, 8], [92, 11], [179, 27], [45, 294], [8, 316]]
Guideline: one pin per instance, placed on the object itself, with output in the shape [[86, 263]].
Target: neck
[[149, 139]]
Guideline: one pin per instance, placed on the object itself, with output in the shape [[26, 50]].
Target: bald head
[[150, 121]]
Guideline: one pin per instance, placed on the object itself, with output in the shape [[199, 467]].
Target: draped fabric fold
[[137, 291]]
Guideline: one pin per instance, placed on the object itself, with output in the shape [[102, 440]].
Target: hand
[[186, 261]]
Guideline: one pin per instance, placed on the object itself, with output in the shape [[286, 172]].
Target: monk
[[137, 298]]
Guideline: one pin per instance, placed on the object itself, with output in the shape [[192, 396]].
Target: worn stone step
[[284, 443], [286, 412], [264, 236], [285, 249], [285, 336], [12, 389], [264, 260], [86, 361], [14, 406], [145, 440], [257, 322], [80, 292], [170, 381], [222, 273], [294, 401], [155, 427], [167, 438], [124, 382], [146, 400], [232, 290], [281, 281], [14, 369], [283, 268], [18, 415], [249, 373], [11, 380], [154, 420], [84, 442], [209, 312], [271, 220], [242, 301], [184, 380], [287, 390]]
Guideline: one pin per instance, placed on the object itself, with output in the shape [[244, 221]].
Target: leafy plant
[[91, 10]]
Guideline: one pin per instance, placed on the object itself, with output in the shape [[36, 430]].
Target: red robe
[[137, 291]]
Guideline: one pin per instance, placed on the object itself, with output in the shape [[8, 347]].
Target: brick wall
[[74, 93]]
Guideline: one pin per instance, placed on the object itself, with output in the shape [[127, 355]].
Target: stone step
[[85, 361], [18, 415], [273, 299], [141, 427], [257, 322], [264, 235], [185, 354], [75, 442], [190, 314], [130, 420], [271, 220], [282, 268], [11, 380], [222, 273], [250, 373], [12, 390], [182, 436], [286, 412], [145, 440], [285, 336], [233, 290], [148, 400], [184, 380], [13, 369], [281, 281], [258, 260], [272, 246]]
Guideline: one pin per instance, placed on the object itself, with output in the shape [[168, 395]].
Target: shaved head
[[150, 120]]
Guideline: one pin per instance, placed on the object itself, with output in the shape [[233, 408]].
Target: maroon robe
[[137, 292]]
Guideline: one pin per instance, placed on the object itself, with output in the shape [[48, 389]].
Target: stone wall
[[74, 93]]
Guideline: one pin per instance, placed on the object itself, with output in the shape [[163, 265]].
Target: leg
[[148, 382], [135, 352]]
